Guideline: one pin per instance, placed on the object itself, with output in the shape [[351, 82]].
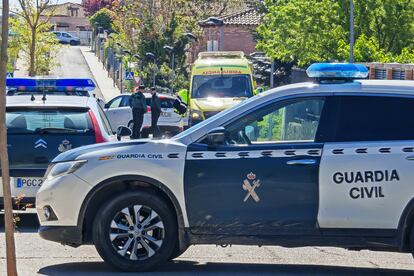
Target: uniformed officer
[[139, 108], [155, 113]]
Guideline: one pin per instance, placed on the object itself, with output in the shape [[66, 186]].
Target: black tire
[[109, 213], [177, 252]]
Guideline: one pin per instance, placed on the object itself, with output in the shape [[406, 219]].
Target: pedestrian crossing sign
[[129, 75], [9, 75]]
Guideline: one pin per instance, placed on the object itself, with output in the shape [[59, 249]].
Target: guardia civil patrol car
[[45, 117], [324, 163]]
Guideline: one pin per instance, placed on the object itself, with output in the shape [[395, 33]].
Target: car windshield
[[48, 121], [223, 86]]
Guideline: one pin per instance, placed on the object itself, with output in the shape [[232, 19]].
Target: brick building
[[69, 17], [390, 71], [233, 32]]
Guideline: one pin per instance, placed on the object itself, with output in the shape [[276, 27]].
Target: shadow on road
[[192, 268]]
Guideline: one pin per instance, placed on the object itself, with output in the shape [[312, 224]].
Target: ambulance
[[219, 80]]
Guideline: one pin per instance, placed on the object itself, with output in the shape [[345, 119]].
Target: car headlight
[[196, 115], [63, 168]]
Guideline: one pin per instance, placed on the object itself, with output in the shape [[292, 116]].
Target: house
[[233, 32], [69, 17]]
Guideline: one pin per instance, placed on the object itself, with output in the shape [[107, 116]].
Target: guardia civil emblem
[[250, 184], [65, 146]]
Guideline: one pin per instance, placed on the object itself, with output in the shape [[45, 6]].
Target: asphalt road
[[72, 64], [38, 257]]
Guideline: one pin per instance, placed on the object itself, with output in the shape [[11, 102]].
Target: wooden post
[[4, 159]]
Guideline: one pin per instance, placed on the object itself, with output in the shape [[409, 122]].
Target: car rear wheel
[[135, 231]]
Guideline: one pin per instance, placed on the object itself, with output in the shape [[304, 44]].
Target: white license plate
[[165, 114], [28, 182]]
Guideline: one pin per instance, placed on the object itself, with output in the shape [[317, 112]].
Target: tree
[[305, 31], [36, 15], [104, 18], [4, 159], [92, 6], [46, 50]]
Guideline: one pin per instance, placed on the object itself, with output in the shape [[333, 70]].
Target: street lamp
[[171, 50], [190, 36], [351, 32], [152, 56]]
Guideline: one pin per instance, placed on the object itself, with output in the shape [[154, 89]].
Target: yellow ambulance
[[219, 80]]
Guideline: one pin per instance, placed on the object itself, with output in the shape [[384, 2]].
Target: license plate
[[165, 114], [28, 182]]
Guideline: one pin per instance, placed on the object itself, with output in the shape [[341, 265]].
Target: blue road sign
[[9, 75], [129, 75]]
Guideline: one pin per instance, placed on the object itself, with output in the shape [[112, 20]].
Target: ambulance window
[[373, 118], [290, 121]]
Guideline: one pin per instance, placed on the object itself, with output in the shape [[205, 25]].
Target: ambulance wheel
[[135, 231]]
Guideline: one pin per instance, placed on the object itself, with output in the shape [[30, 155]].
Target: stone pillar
[[389, 73], [371, 75], [409, 74]]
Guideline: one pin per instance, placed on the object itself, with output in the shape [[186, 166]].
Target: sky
[[14, 3]]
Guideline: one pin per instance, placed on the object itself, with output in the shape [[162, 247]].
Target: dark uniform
[[155, 115], [139, 108]]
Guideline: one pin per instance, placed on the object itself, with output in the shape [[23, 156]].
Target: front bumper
[[65, 196], [67, 235]]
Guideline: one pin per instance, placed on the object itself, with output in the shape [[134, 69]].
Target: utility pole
[[351, 32], [4, 158]]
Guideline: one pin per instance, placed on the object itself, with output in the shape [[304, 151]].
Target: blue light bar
[[337, 71], [32, 84]]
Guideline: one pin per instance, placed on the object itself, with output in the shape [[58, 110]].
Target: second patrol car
[[43, 120], [325, 163]]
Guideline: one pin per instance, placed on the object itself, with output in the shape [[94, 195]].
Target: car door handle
[[302, 162], [410, 158]]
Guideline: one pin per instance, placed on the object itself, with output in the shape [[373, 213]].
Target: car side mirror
[[106, 105], [259, 90], [216, 137], [123, 131]]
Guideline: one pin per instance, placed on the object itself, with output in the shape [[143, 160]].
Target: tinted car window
[[48, 120], [291, 121], [165, 102], [366, 118], [115, 102], [125, 101]]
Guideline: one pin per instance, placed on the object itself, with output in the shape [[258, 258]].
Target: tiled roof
[[249, 17]]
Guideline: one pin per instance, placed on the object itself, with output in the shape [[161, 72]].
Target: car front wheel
[[135, 231]]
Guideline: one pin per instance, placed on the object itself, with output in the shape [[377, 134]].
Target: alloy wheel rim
[[136, 232]]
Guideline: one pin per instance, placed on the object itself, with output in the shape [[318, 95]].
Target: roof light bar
[[337, 71], [32, 84]]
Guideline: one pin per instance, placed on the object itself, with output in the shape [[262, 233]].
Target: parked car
[[67, 38], [39, 127], [119, 113]]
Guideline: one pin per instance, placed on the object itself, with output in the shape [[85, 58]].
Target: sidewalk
[[100, 75]]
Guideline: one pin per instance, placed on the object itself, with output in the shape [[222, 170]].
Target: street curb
[[104, 83]]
